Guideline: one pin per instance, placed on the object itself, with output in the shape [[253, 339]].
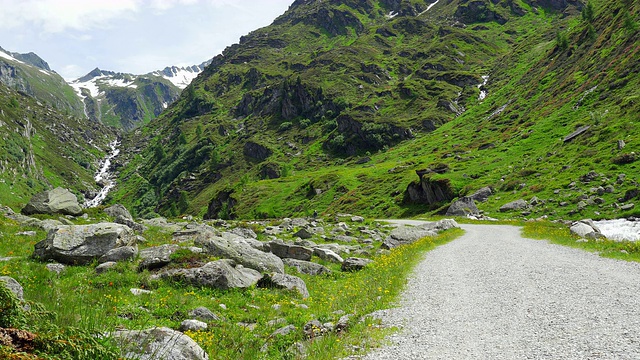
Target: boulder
[[120, 219], [118, 210], [244, 232], [405, 235], [56, 201], [158, 343], [221, 274], [204, 314], [119, 254], [283, 331], [241, 252], [284, 281], [56, 268], [307, 267], [586, 229], [481, 195], [514, 205], [328, 255], [81, 244], [355, 264], [303, 233], [193, 325], [157, 256], [463, 207], [284, 251], [14, 286], [104, 267]]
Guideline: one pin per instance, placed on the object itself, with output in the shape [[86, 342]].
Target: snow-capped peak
[[6, 55], [179, 76]]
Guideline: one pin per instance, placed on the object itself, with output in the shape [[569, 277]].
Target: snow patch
[[90, 85], [9, 57], [429, 7], [392, 14], [180, 77], [619, 229], [120, 83]]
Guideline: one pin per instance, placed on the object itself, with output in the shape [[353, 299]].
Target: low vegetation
[[99, 303]]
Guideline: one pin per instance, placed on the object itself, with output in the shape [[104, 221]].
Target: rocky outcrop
[[81, 244], [256, 151], [241, 252], [429, 191], [222, 274], [158, 343], [56, 201], [482, 195], [118, 210]]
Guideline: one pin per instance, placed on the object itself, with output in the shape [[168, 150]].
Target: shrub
[[285, 126], [624, 158], [11, 313]]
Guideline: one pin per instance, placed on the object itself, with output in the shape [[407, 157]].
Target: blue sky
[[134, 36]]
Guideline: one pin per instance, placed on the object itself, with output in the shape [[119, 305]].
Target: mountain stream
[[104, 177]]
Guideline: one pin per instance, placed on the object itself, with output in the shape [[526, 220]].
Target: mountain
[[42, 148], [338, 105], [181, 76], [31, 75], [124, 100]]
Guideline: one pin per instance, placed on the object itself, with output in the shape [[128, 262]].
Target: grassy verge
[[559, 233], [78, 303]]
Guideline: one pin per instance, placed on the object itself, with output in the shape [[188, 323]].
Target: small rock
[[193, 325], [104, 267], [355, 264], [284, 331], [328, 255], [26, 233], [56, 268], [202, 313], [358, 219], [223, 306], [138, 292], [284, 281], [627, 207], [14, 286]]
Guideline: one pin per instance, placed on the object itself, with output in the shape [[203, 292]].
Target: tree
[[561, 41], [198, 131], [587, 12], [159, 153]]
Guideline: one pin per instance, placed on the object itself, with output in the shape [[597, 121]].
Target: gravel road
[[492, 294]]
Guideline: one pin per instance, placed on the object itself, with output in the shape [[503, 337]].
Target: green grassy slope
[[333, 108], [41, 149]]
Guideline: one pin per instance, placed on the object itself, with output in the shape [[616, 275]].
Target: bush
[[285, 126], [11, 313], [624, 158]]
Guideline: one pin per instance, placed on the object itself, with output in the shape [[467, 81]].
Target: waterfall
[[104, 177]]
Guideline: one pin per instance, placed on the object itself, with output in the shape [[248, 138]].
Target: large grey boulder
[[514, 205], [241, 252], [586, 229], [284, 281], [406, 234], [81, 244], [307, 267], [56, 201], [221, 274], [158, 343], [118, 210], [283, 251], [463, 207]]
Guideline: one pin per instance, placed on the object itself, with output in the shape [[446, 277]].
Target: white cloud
[[59, 15]]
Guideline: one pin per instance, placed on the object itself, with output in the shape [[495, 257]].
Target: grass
[[80, 302], [559, 233]]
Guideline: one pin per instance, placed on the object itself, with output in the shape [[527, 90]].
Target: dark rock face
[[478, 11], [354, 136], [221, 206], [429, 191], [256, 151], [270, 171]]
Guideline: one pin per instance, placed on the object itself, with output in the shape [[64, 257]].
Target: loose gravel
[[492, 294]]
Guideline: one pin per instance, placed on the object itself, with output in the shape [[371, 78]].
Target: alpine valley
[[163, 215]]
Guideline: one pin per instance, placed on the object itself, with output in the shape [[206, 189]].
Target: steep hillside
[[337, 105], [30, 74], [42, 148]]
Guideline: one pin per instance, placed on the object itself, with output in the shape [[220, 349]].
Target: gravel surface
[[492, 294]]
